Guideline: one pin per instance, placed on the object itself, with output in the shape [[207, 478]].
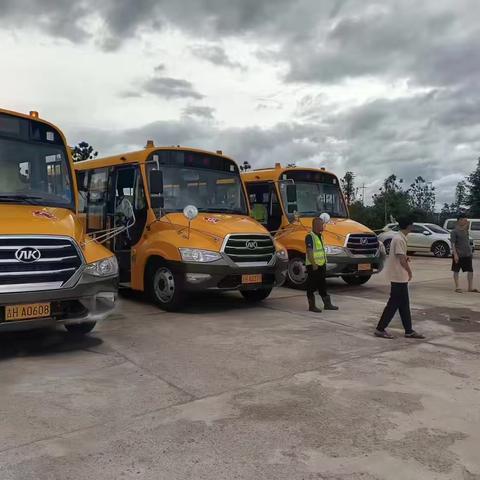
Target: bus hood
[[340, 226], [218, 224], [37, 220], [337, 230]]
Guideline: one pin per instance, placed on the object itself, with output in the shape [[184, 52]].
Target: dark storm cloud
[[434, 42], [167, 87], [56, 17], [199, 111], [215, 54], [259, 146]]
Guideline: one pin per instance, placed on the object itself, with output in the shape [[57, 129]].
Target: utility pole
[[363, 188]]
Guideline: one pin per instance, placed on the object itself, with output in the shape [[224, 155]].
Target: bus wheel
[[253, 296], [164, 288], [80, 328], [356, 280], [297, 272]]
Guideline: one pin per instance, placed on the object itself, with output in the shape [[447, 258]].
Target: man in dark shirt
[[316, 262], [462, 253]]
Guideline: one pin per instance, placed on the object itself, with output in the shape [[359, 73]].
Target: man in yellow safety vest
[[316, 262]]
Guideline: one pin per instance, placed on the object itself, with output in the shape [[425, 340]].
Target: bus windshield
[[34, 174], [316, 193], [209, 190]]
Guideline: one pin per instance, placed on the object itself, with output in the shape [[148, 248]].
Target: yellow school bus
[[188, 222], [50, 272], [285, 201]]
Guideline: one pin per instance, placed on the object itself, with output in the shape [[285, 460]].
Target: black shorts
[[464, 264]]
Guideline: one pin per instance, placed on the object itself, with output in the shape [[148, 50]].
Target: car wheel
[[80, 328], [356, 280], [441, 249], [297, 272], [254, 296], [165, 287]]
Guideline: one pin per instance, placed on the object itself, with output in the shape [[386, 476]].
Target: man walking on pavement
[[399, 273], [462, 253], [316, 262]]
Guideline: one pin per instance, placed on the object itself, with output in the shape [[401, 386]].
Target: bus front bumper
[[92, 299], [224, 275], [339, 265]]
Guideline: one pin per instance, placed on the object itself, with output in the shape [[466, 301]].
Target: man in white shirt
[[399, 273]]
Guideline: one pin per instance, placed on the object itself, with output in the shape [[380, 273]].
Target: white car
[[425, 237], [473, 227]]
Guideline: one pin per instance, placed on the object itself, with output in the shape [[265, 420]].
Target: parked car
[[474, 228], [425, 237]]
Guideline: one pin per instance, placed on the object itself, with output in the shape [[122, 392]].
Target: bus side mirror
[[291, 193], [156, 189]]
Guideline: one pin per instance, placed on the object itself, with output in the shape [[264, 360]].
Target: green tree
[[473, 199], [448, 211], [391, 201], [348, 187], [461, 195], [83, 151], [422, 196]]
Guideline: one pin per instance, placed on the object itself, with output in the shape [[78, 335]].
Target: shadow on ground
[[43, 342]]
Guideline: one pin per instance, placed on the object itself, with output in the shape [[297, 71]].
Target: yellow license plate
[[27, 311], [252, 278], [364, 266]]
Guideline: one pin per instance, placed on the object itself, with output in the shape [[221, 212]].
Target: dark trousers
[[317, 281], [399, 300]]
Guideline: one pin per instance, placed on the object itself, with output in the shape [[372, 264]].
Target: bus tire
[[296, 271], [164, 287], [254, 296], [356, 279], [80, 328]]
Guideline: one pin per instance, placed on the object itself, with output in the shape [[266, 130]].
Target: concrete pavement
[[225, 390]]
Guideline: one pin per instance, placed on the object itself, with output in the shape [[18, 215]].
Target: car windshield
[[312, 199], [212, 191], [436, 229], [34, 173]]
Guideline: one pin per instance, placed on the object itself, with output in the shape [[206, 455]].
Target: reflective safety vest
[[318, 251], [259, 212]]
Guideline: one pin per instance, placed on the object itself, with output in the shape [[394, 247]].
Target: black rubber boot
[[327, 302], [311, 304]]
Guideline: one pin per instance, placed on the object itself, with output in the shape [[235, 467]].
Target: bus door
[[129, 210], [265, 205]]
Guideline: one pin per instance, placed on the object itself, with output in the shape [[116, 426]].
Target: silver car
[[425, 237]]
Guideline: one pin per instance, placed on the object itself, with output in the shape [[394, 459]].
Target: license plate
[[257, 278], [27, 311], [364, 266]]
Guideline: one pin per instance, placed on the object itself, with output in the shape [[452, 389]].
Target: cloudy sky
[[372, 86]]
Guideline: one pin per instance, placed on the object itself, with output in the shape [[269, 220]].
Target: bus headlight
[[334, 250], [282, 254], [106, 267], [196, 255]]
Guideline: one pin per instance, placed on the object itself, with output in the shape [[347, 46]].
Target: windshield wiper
[[22, 198], [221, 210]]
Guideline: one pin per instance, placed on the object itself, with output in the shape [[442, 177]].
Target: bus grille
[[363, 243], [47, 263], [250, 248]]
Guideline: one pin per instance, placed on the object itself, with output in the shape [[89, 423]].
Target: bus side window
[[82, 185], [259, 197], [97, 199]]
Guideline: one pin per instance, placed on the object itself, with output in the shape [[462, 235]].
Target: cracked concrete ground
[[230, 391]]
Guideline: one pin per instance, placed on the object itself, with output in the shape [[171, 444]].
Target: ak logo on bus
[[28, 254]]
